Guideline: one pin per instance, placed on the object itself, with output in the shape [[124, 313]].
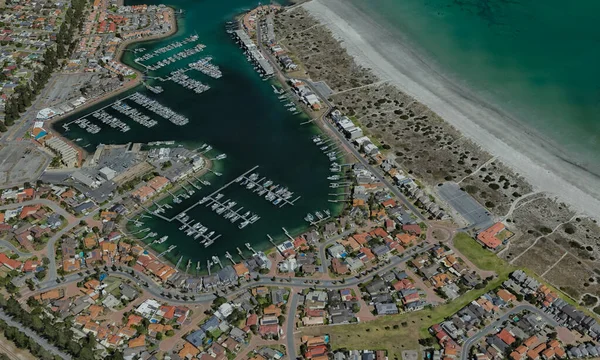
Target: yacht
[[162, 240]]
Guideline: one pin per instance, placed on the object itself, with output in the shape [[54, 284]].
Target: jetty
[[250, 248], [276, 194], [167, 251], [178, 262], [210, 195], [287, 233]]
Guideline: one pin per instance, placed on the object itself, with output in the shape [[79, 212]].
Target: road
[[339, 135], [7, 244], [291, 321], [50, 246], [323, 256], [57, 209], [32, 334], [466, 349], [157, 290]]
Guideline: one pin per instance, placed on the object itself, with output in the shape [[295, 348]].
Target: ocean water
[[240, 116], [536, 59]]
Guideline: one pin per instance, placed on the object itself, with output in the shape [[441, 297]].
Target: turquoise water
[[537, 59], [240, 116]]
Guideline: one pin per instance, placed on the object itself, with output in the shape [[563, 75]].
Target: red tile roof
[[488, 236]]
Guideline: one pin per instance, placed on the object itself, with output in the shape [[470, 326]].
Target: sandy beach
[[494, 129]]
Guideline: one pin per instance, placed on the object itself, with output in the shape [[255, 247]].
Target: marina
[[133, 114], [165, 49], [234, 118], [197, 230], [262, 65], [179, 77], [159, 109], [88, 126], [276, 194], [205, 67], [111, 121], [173, 58]]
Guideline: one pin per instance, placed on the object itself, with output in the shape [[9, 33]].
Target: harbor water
[[241, 116]]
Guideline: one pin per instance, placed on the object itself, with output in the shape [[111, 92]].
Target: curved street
[[158, 290]]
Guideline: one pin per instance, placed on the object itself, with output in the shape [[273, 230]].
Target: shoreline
[[139, 210], [130, 84], [372, 46]]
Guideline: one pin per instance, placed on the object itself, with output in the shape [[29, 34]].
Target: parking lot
[[465, 205], [21, 162]]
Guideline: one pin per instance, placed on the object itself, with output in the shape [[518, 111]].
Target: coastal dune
[[545, 166]]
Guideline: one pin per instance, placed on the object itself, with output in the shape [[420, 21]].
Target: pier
[[275, 194], [140, 231], [216, 260], [250, 248], [287, 234], [194, 185], [241, 253], [186, 190], [66, 126], [211, 195], [225, 208], [228, 255], [167, 251], [319, 216]]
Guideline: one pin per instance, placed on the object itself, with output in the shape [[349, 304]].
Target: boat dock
[[250, 248], [263, 65], [287, 233], [167, 251], [178, 262], [197, 230], [241, 253], [225, 208], [194, 185], [210, 195], [216, 260], [276, 194], [228, 255], [66, 126], [318, 216]]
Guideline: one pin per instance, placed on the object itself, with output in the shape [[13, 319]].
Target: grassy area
[[377, 334], [486, 260], [396, 333], [481, 257], [402, 332]]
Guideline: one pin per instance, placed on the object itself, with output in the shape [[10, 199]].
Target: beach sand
[[494, 129]]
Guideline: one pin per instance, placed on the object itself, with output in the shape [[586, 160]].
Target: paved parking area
[[21, 161], [463, 203]]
